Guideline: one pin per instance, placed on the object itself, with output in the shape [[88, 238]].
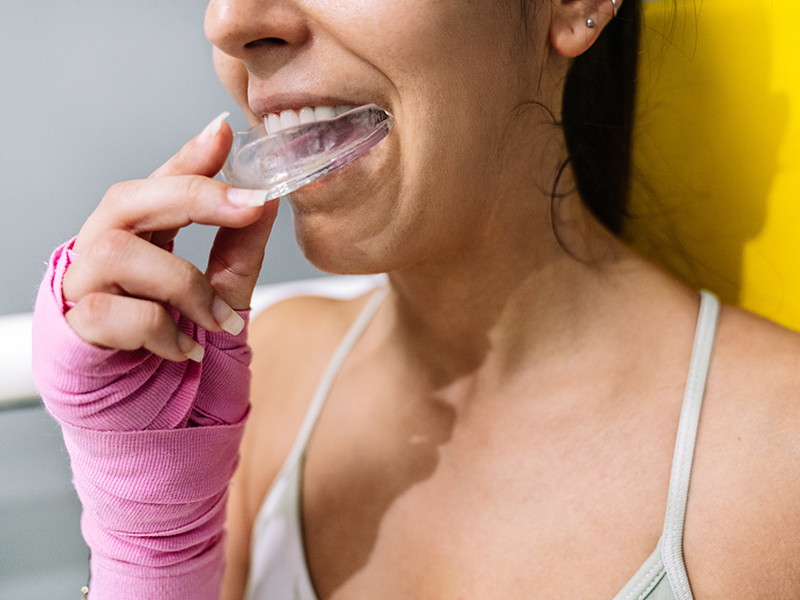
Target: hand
[[123, 274]]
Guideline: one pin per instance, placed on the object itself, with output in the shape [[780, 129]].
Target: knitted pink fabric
[[153, 444]]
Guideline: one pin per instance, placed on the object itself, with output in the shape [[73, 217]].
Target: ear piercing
[[590, 22]]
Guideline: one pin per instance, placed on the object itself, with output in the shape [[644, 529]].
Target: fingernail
[[227, 317], [190, 348], [212, 128], [241, 197]]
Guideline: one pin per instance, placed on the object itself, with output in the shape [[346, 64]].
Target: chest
[[434, 508]]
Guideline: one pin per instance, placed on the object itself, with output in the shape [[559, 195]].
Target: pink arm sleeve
[[153, 444]]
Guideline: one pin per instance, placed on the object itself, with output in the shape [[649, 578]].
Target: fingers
[[164, 204], [121, 263], [236, 257], [173, 191], [112, 321], [122, 276]]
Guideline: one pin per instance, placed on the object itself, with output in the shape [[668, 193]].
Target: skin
[[504, 427]]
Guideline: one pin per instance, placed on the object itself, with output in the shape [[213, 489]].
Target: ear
[[570, 33]]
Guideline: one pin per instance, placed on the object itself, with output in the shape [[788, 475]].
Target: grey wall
[[42, 554], [93, 92]]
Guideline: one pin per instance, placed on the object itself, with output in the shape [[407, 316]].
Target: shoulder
[[753, 399], [756, 363], [743, 523], [292, 320], [292, 342]]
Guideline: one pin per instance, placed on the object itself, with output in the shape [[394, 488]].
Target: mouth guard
[[289, 159]]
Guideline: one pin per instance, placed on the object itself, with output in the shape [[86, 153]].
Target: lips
[[283, 161]]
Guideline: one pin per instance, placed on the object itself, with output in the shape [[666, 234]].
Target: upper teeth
[[275, 122]]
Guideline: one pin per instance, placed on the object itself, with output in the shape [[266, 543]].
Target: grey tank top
[[278, 568]]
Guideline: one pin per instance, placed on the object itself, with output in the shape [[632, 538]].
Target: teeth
[[289, 118], [324, 113], [275, 122], [307, 115]]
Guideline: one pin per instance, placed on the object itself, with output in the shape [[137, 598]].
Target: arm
[[153, 437]]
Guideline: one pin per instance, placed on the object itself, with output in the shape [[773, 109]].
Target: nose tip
[[241, 27]]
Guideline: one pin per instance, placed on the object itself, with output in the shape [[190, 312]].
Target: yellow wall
[[716, 191]]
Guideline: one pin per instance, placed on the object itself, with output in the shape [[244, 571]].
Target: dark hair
[[597, 116]]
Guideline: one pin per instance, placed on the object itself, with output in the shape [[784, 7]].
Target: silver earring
[[590, 23], [616, 8]]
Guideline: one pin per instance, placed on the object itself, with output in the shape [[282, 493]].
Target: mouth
[[278, 121], [296, 152]]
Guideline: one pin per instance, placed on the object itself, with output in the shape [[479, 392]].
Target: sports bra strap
[[684, 446], [332, 370]]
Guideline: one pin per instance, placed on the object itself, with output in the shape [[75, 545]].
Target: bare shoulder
[[756, 368], [748, 338], [292, 342], [743, 523]]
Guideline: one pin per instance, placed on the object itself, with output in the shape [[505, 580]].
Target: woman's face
[[450, 71]]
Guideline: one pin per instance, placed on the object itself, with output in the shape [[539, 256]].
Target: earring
[[616, 8], [590, 23]]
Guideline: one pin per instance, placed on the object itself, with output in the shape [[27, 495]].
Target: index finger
[[170, 203]]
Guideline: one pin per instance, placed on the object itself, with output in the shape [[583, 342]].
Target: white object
[[16, 351], [16, 374]]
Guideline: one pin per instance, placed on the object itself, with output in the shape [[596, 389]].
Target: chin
[[337, 247], [344, 222]]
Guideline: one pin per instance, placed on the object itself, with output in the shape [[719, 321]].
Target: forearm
[[154, 508], [153, 444]]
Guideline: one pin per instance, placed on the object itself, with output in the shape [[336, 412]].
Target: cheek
[[234, 78], [453, 64], [405, 36]]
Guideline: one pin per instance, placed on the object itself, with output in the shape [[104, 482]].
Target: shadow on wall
[[707, 152]]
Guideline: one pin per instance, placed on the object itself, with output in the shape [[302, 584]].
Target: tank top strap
[[330, 373], [672, 538]]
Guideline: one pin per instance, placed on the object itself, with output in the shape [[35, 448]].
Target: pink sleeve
[[153, 444]]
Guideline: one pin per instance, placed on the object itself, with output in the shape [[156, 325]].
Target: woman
[[500, 418]]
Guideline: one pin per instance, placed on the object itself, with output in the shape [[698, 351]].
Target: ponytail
[[597, 116]]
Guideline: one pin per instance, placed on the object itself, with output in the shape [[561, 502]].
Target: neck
[[519, 291]]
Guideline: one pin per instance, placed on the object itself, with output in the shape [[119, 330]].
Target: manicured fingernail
[[227, 317], [190, 348], [241, 197], [212, 128]]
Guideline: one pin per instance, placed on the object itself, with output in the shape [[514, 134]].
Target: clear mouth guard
[[287, 160]]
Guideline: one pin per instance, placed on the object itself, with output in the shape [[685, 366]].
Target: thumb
[[203, 155]]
